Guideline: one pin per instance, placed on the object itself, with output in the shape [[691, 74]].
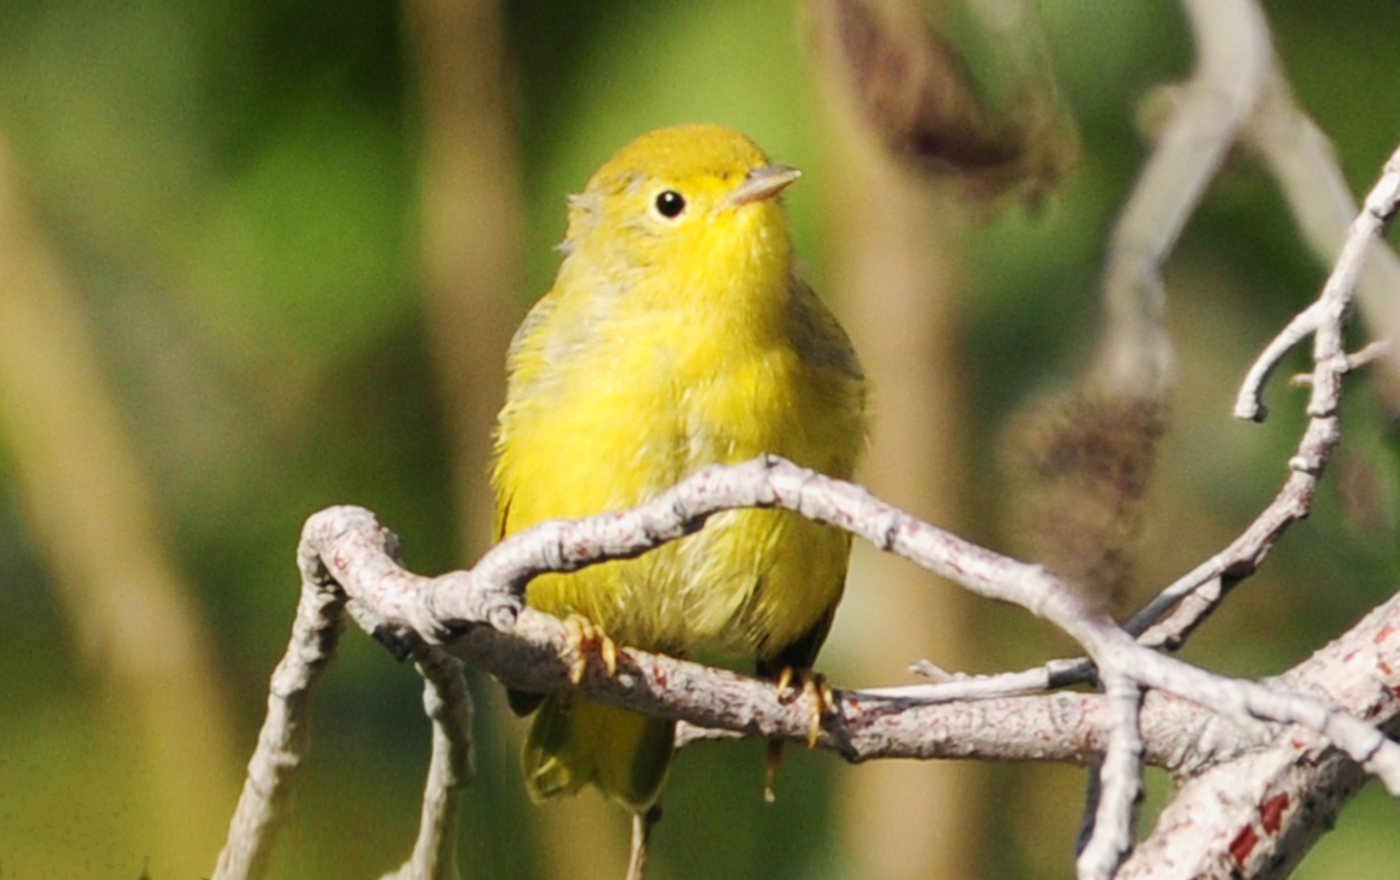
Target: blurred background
[[260, 258]]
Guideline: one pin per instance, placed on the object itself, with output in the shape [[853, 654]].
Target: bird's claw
[[813, 687], [582, 634]]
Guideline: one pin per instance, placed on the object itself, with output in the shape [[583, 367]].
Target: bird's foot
[[812, 687], [584, 634]]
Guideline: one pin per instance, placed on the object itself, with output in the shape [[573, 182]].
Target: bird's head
[[696, 202]]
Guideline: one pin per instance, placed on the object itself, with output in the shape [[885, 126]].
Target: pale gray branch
[[348, 561], [1302, 160], [448, 703], [284, 739], [1324, 318], [1184, 604], [1256, 814], [1119, 789]]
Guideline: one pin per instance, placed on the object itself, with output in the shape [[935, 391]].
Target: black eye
[[670, 203]]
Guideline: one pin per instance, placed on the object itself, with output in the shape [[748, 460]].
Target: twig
[[1119, 788], [1325, 317], [1301, 159], [286, 732], [1369, 354], [448, 703], [960, 686], [1191, 598]]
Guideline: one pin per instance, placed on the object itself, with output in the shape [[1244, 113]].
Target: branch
[[1301, 158], [1324, 318], [349, 562], [769, 482], [285, 736], [1118, 784], [1193, 597], [448, 703], [1256, 815]]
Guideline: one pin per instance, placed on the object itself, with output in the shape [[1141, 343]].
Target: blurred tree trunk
[[470, 232], [94, 517], [891, 258]]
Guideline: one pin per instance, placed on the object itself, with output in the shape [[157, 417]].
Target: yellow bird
[[677, 335]]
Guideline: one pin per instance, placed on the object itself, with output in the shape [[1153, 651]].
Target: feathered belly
[[752, 580]]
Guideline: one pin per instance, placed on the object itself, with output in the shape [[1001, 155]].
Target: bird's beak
[[763, 183]]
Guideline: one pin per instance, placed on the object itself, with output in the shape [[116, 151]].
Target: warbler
[[677, 335]]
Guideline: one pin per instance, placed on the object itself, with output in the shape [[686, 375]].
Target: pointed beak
[[763, 183]]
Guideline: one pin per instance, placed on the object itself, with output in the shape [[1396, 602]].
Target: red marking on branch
[[1243, 845], [1271, 816], [1386, 632]]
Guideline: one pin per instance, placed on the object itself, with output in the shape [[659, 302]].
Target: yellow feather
[[666, 344]]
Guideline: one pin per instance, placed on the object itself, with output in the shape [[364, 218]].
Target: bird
[[677, 334]]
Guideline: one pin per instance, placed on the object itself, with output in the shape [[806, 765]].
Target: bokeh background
[[260, 258]]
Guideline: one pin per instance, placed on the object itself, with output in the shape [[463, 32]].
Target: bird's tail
[[572, 743]]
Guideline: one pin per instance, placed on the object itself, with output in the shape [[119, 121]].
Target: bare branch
[[1191, 598], [396, 600], [960, 686], [866, 725], [345, 549], [1325, 317], [449, 704], [1301, 158], [286, 732], [1119, 782], [1254, 816]]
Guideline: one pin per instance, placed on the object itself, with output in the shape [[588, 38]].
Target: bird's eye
[[670, 204]]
